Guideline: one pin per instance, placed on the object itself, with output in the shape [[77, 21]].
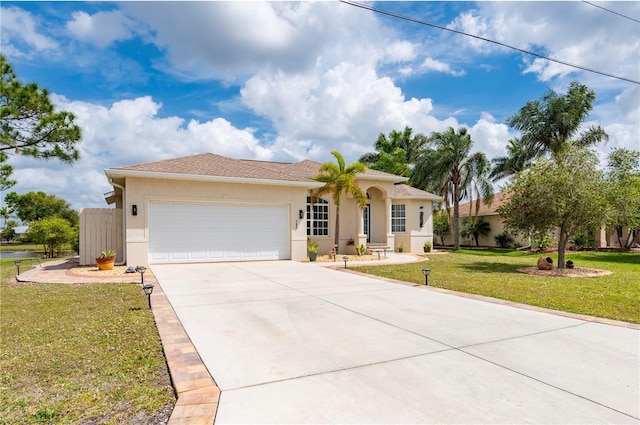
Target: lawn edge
[[583, 317]]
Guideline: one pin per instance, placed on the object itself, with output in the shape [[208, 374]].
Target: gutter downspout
[[124, 223]]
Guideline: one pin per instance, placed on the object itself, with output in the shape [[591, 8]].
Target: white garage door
[[180, 232]]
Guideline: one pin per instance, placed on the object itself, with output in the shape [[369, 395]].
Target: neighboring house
[[21, 231], [207, 208], [490, 215]]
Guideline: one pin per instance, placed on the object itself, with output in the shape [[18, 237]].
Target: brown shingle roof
[[209, 164], [212, 165], [499, 199], [406, 191]]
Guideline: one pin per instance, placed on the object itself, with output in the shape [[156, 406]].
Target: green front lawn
[[85, 353], [493, 273]]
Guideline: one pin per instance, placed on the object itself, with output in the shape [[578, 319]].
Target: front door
[[366, 217]]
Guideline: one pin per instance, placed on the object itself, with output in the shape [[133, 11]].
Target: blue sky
[[286, 81]]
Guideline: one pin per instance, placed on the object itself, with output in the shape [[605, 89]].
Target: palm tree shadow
[[489, 267]]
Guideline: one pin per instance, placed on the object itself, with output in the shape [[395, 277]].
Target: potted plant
[[312, 250], [106, 260], [361, 249], [427, 246], [401, 247]]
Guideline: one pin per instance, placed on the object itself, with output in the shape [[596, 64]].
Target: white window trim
[[398, 221], [324, 205]]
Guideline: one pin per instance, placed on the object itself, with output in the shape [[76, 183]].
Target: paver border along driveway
[[291, 342]]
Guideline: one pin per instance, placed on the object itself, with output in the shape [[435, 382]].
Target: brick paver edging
[[197, 392]]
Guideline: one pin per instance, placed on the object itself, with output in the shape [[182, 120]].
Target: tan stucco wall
[[142, 191], [415, 236], [350, 214]]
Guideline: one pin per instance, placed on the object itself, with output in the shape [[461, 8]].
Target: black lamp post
[[426, 276], [345, 259], [148, 289], [141, 270], [17, 262]]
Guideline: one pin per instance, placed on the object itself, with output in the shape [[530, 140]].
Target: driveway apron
[[291, 342]]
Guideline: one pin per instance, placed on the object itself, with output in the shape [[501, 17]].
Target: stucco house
[[490, 215], [604, 238], [207, 208]]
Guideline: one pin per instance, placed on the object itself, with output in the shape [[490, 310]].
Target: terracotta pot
[[545, 263], [105, 263]]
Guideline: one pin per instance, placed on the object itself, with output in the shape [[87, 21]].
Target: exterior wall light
[[426, 276], [301, 214]]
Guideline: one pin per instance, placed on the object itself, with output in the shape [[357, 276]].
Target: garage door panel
[[182, 232]]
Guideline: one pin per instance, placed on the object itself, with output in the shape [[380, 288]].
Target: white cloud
[[345, 107], [399, 51], [489, 136], [574, 32], [102, 28], [320, 74], [127, 132], [228, 39], [431, 64], [20, 34]]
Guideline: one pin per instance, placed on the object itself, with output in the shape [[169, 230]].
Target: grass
[[493, 273], [20, 246], [85, 353]]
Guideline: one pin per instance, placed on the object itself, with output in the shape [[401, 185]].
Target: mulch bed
[[574, 272], [93, 271]]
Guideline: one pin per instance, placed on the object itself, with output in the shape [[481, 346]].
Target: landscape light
[[345, 259], [141, 270], [17, 262], [426, 276], [148, 289]]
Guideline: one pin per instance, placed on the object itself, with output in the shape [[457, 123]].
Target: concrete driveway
[[292, 342]]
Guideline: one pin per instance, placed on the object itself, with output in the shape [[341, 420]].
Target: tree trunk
[[628, 241], [562, 246], [456, 220], [636, 239], [337, 237]]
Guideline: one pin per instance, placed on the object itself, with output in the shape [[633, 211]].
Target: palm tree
[[5, 214], [551, 123], [450, 170], [518, 158], [396, 152], [548, 126], [339, 179], [476, 229], [478, 169]]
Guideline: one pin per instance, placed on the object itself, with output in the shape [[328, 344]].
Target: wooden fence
[[100, 229]]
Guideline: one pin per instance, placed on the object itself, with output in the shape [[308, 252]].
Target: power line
[[612, 11], [528, 52]]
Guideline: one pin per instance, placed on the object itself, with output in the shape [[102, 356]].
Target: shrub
[[504, 240], [543, 242], [585, 240], [52, 233]]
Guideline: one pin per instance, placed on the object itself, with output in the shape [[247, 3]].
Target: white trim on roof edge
[[112, 173], [389, 178], [425, 197]]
